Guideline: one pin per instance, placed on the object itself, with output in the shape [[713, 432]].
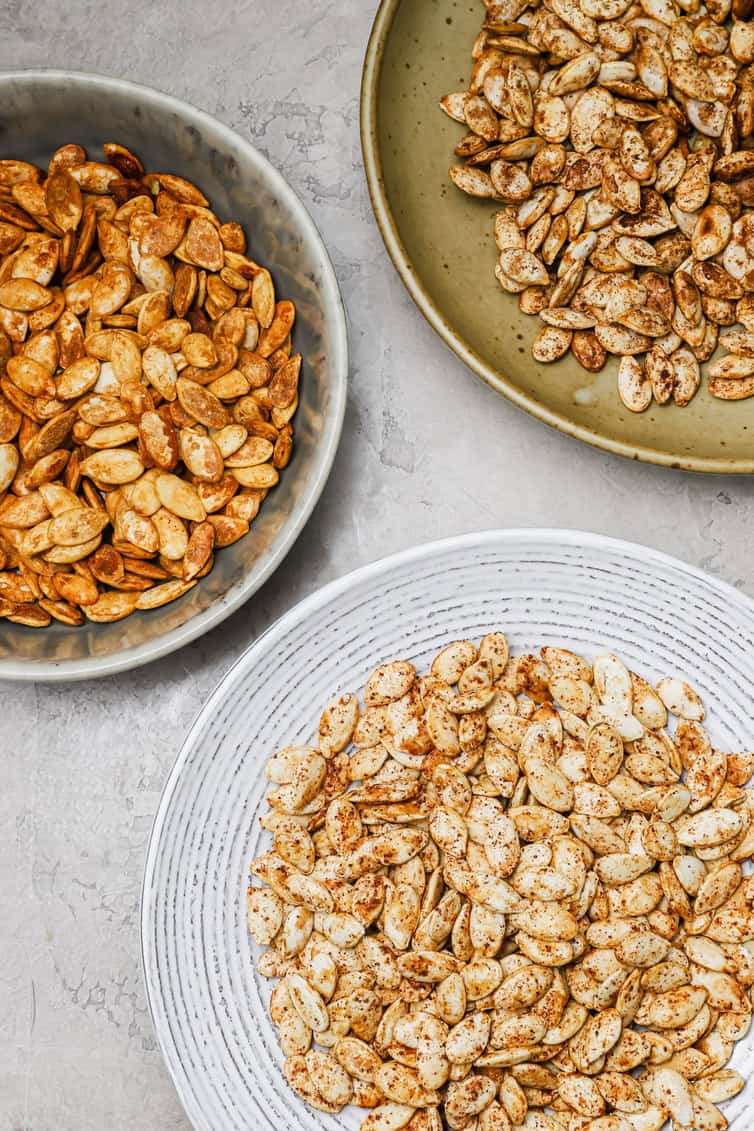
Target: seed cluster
[[502, 895], [617, 134], [147, 387]]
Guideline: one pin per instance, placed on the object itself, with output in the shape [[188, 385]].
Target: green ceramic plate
[[441, 242]]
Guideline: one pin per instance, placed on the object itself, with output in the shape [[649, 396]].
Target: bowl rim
[[55, 671], [495, 378], [565, 536]]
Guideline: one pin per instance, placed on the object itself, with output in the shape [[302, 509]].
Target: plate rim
[[57, 671], [495, 378], [424, 550]]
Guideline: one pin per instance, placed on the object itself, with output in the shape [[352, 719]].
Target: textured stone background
[[427, 451]]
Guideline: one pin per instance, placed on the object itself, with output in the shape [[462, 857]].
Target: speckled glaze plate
[[441, 243], [541, 587]]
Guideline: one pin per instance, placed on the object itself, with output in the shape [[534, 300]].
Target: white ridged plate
[[540, 587]]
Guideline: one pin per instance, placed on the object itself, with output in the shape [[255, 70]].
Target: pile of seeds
[[146, 387], [504, 893], [618, 134]]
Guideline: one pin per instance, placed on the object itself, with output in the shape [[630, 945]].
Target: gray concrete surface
[[427, 451]]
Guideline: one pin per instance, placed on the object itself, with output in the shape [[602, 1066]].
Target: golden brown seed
[[106, 382], [585, 146]]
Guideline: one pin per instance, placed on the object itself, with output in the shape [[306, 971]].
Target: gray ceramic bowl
[[40, 110]]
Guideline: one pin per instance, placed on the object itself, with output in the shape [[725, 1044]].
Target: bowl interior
[[39, 112], [419, 52]]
